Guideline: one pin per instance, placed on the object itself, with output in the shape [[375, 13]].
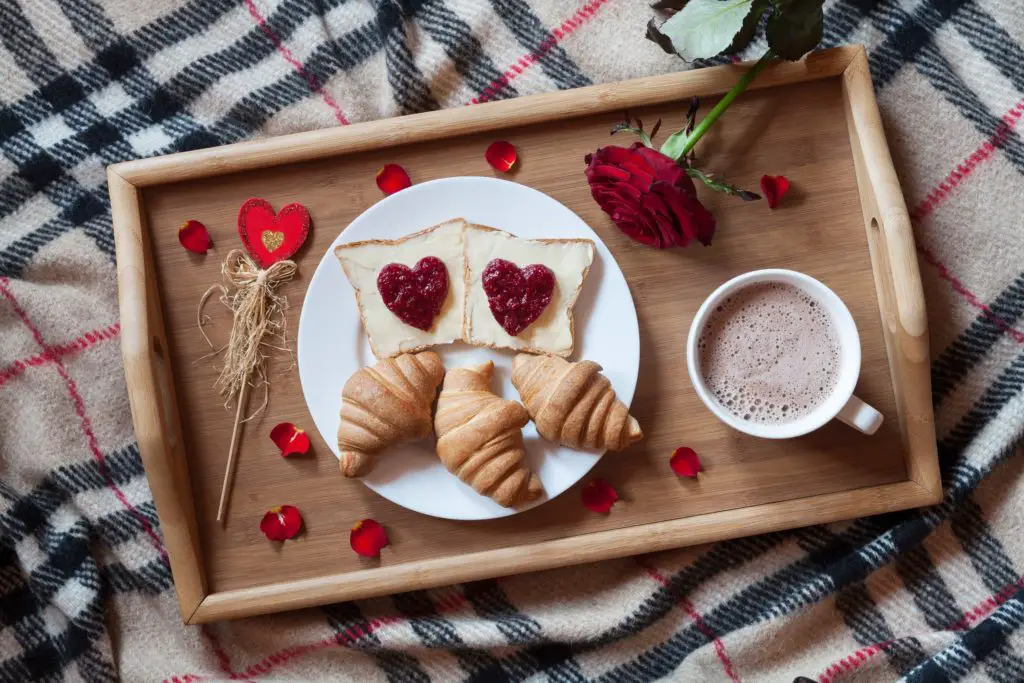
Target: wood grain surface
[[819, 230]]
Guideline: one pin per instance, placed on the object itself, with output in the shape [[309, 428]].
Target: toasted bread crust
[[569, 306], [341, 248], [466, 277]]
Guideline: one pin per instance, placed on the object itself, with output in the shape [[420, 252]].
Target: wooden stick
[[229, 472]]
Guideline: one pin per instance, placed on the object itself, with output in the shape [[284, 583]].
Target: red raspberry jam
[[415, 294], [517, 296]]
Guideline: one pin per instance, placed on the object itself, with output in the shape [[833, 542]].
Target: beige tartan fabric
[[86, 593]]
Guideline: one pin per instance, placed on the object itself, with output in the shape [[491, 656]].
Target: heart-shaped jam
[[517, 296], [414, 294]]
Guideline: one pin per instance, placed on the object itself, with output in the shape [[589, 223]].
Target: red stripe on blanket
[[566, 29], [966, 167], [51, 353], [698, 621], [311, 79], [968, 295], [854, 661], [972, 615], [349, 636], [86, 424], [988, 606], [223, 660], [944, 189]]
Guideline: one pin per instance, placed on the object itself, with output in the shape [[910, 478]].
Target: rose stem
[[724, 103]]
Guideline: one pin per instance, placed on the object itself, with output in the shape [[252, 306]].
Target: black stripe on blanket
[[165, 105], [29, 591], [932, 596], [436, 632], [541, 43], [152, 578], [346, 618], [26, 514], [180, 24], [259, 106], [408, 87], [848, 566], [554, 659], [907, 35], [986, 552], [1006, 387], [937, 69], [842, 19], [466, 53], [1004, 665], [957, 661], [986, 36], [974, 343], [719, 558]]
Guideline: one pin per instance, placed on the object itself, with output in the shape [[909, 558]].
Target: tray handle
[[897, 274], [151, 394]]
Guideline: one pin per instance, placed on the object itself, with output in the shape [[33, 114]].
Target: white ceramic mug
[[841, 404]]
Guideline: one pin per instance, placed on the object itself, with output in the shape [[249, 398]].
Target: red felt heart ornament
[[270, 237], [517, 296], [415, 294]]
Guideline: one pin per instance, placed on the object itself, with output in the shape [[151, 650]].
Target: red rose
[[648, 196]]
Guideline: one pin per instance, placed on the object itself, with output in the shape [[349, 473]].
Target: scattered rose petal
[[281, 523], [290, 439], [685, 462], [194, 237], [501, 155], [774, 188], [392, 178], [368, 537], [599, 496]]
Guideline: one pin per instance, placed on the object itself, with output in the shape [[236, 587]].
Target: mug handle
[[860, 416]]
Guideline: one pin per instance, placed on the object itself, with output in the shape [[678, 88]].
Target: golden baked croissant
[[480, 437], [573, 403], [386, 404]]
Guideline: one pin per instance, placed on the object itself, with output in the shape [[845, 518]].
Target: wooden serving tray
[[845, 223]]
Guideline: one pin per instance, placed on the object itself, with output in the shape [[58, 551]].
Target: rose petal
[[290, 439], [599, 496], [194, 237], [281, 523], [501, 155], [368, 537], [392, 178], [774, 188], [685, 462]]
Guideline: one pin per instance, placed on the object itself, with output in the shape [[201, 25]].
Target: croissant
[[573, 403], [480, 438], [386, 404]]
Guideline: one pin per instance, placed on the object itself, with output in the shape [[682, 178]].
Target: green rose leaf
[[658, 37], [746, 34], [795, 27], [704, 28]]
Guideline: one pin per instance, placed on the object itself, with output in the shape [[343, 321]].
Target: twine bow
[[258, 310]]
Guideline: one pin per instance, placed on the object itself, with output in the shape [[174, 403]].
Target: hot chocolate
[[770, 353]]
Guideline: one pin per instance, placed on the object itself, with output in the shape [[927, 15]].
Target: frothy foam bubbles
[[769, 353]]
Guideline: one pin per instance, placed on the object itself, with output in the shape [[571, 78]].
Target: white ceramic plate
[[332, 345]]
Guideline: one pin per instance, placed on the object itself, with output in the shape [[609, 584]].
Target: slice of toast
[[552, 332], [362, 261]]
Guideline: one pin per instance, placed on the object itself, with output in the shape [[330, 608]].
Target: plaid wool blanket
[[85, 589]]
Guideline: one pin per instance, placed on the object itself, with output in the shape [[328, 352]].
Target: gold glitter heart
[[272, 240]]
